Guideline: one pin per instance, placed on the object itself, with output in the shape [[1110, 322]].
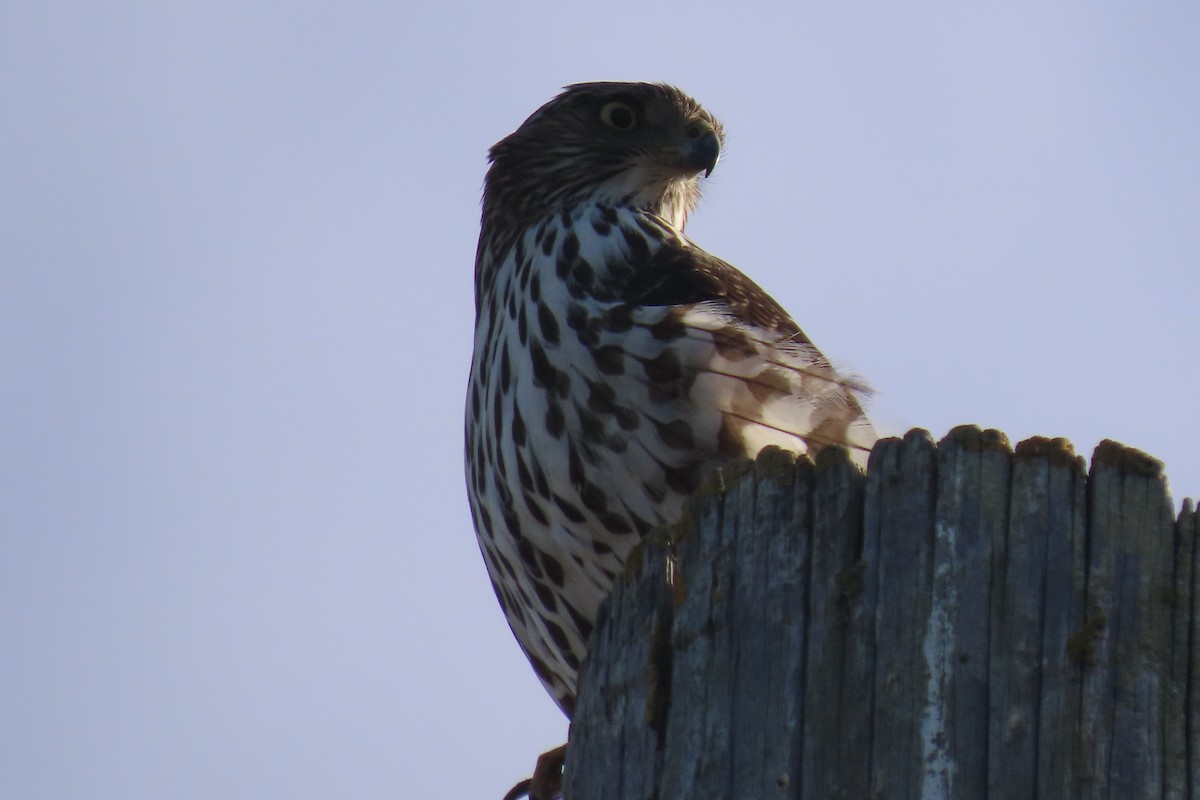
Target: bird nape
[[615, 362]]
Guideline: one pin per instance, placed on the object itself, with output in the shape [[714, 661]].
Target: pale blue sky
[[236, 244]]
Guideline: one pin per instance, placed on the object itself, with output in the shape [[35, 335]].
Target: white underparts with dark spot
[[591, 420]]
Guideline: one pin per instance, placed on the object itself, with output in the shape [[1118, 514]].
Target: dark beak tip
[[699, 154], [710, 148]]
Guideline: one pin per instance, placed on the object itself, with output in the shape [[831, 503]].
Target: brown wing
[[680, 274]]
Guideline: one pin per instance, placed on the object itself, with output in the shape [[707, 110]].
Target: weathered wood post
[[964, 621]]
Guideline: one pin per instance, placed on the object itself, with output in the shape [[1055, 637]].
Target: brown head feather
[[569, 149]]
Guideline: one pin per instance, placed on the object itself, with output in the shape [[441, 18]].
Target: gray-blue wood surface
[[964, 621]]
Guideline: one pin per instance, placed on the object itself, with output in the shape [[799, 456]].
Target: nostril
[[693, 131]]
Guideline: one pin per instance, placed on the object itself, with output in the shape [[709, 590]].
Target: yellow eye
[[618, 115]]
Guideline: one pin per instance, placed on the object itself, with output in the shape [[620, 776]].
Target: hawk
[[615, 362]]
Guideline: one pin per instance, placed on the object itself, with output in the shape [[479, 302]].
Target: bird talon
[[519, 791], [546, 783]]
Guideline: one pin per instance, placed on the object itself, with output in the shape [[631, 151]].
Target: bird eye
[[618, 115]]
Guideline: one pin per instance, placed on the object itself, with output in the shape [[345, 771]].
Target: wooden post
[[964, 621]]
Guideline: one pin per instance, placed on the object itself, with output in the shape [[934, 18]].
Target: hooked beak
[[701, 149]]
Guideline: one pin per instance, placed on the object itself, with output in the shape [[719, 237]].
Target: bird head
[[637, 144]]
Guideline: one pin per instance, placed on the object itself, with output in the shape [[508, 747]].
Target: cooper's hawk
[[615, 361]]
